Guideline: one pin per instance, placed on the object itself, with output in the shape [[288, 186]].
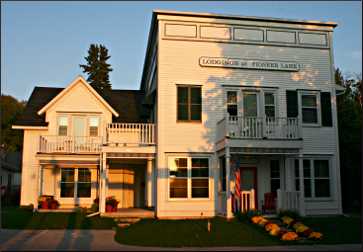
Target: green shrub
[[94, 207], [290, 213], [29, 207], [252, 213]]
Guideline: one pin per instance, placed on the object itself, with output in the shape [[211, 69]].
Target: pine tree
[[97, 67]]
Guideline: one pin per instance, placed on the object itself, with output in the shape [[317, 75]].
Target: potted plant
[[111, 204], [53, 204], [43, 201]]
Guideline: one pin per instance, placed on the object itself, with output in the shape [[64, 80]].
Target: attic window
[[93, 126], [62, 125]]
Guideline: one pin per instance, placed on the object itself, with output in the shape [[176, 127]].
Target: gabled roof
[[81, 80], [127, 103]]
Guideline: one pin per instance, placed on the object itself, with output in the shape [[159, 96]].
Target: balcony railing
[[130, 134], [69, 144], [259, 128]]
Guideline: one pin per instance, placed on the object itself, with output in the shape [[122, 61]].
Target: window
[[316, 177], [178, 175], [189, 103], [250, 104], [269, 104], [232, 103], [67, 183], [309, 108], [189, 177], [62, 125], [297, 172], [84, 183], [222, 174], [200, 178], [321, 178], [275, 175], [93, 126]]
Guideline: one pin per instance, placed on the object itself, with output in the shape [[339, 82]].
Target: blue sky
[[43, 43]]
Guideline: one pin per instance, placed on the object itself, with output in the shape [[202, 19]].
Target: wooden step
[[127, 220]]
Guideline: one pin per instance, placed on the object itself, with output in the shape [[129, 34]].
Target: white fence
[[247, 200], [290, 200], [260, 127], [131, 133]]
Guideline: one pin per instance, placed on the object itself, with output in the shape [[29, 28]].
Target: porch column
[[301, 186], [102, 197], [229, 213], [149, 169]]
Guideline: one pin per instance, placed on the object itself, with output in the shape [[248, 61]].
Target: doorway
[[248, 180]]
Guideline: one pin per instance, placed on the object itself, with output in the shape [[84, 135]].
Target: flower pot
[[44, 204], [109, 208], [53, 205], [114, 209]]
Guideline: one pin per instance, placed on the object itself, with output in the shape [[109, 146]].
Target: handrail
[[69, 144], [131, 133]]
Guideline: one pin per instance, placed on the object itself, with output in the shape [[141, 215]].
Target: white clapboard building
[[222, 99]]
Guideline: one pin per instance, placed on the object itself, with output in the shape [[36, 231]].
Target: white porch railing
[[290, 200], [131, 133], [259, 127], [247, 200], [69, 144]]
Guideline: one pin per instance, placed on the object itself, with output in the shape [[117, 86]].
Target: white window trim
[[75, 182], [312, 179], [318, 108], [263, 103], [58, 125], [87, 116], [189, 178]]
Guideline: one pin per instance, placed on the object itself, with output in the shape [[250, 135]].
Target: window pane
[[63, 121], [309, 115], [182, 95], [321, 168], [307, 187], [94, 121], [200, 167], [182, 112], [308, 100], [178, 188], [196, 112], [274, 169], [67, 190], [275, 184], [296, 166], [232, 110], [231, 97], [84, 175], [62, 130], [200, 188], [93, 131], [269, 99], [306, 167], [179, 168], [223, 173], [270, 111], [196, 97], [84, 190], [67, 175], [250, 105], [297, 185], [322, 188]]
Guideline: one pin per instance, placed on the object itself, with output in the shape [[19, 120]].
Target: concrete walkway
[[103, 240]]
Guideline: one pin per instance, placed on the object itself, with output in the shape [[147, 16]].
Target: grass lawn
[[16, 218], [179, 233]]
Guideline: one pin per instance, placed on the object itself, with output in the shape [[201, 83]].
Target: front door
[[249, 180], [121, 184]]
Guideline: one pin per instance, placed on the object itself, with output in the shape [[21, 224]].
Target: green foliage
[[29, 207], [94, 207], [349, 108], [11, 109], [290, 213], [97, 67], [246, 216]]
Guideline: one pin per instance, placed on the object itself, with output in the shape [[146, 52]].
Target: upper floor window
[[269, 104], [189, 104], [309, 108], [232, 103], [250, 104], [94, 126], [62, 125]]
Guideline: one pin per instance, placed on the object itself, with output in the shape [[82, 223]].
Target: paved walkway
[[103, 240]]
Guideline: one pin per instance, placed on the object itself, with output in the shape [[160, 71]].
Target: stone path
[[103, 240]]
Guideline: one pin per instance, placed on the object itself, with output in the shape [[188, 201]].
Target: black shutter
[[326, 117], [291, 103]]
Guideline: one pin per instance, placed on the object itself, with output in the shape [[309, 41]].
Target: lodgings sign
[[250, 64]]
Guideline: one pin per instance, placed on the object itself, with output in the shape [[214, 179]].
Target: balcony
[[260, 132], [70, 144], [130, 134]]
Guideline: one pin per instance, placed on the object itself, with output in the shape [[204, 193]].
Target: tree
[[97, 67], [350, 139], [11, 109]]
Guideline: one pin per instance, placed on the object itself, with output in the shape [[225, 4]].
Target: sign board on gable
[[250, 64]]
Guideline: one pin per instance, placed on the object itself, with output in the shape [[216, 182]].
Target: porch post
[[228, 184], [102, 197], [149, 168], [301, 186]]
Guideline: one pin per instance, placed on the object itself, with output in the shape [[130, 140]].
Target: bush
[[29, 207], [252, 213], [290, 213], [94, 207]]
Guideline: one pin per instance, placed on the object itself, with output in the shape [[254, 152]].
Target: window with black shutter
[[326, 115], [292, 103]]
